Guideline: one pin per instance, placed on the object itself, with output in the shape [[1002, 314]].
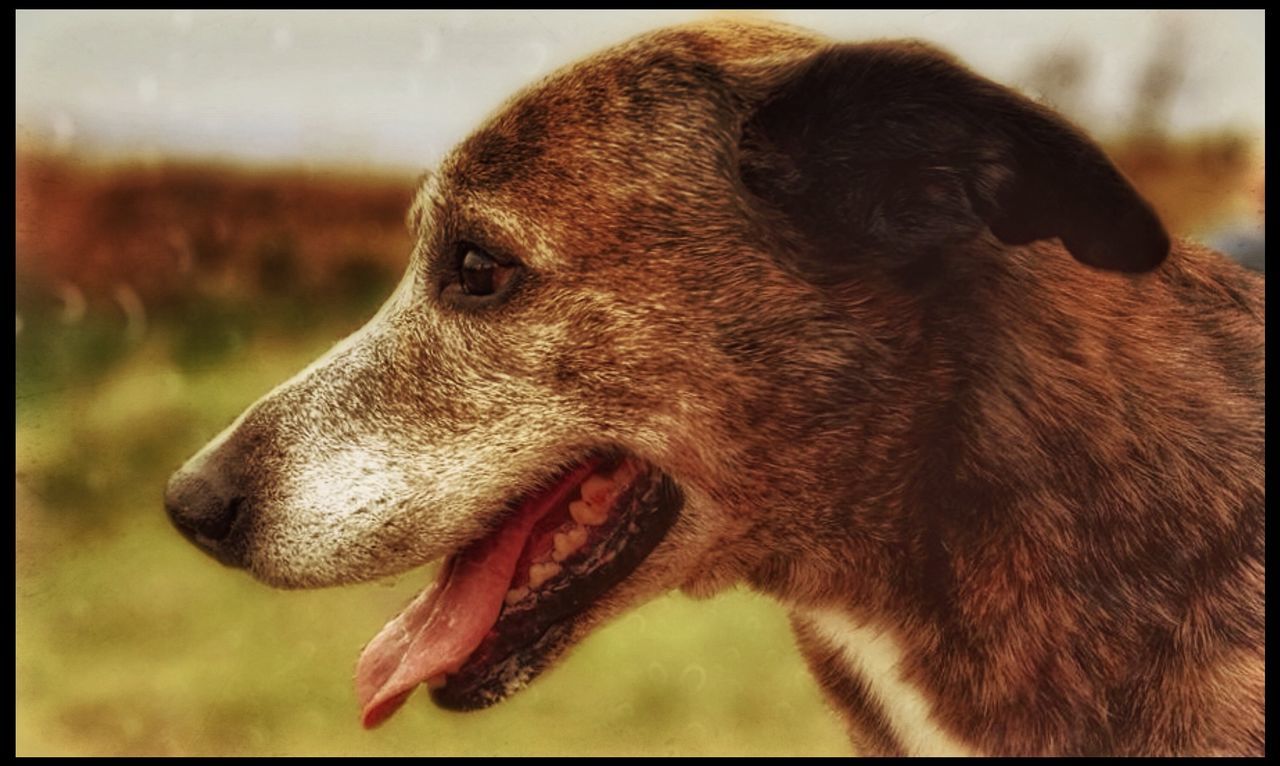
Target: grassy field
[[130, 642]]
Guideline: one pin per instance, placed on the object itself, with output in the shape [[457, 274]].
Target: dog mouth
[[506, 605]]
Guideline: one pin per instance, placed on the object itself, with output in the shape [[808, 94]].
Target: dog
[[848, 323]]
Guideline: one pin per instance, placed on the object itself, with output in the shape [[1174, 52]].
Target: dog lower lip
[[529, 633]]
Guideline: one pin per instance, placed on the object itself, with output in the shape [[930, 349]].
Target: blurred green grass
[[131, 642]]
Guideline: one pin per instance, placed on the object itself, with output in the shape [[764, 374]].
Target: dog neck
[[1014, 575]]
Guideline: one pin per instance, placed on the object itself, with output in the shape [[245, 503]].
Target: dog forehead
[[592, 147], [629, 96]]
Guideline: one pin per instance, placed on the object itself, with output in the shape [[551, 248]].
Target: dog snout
[[208, 512]]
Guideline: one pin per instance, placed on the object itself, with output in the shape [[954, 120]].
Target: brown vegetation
[[171, 229], [234, 231]]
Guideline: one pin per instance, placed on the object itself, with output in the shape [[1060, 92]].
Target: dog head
[[683, 267]]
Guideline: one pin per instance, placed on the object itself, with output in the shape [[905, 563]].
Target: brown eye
[[481, 274]]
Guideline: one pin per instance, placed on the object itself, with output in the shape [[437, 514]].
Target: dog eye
[[481, 274]]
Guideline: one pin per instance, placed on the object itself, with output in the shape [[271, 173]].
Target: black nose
[[207, 514]]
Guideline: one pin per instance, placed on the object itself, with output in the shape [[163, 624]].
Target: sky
[[398, 89]]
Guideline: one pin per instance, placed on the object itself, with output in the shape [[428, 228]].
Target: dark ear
[[894, 152]]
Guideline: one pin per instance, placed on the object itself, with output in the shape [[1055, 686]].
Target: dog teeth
[[540, 573], [515, 595], [567, 542], [596, 490], [561, 547], [588, 514]]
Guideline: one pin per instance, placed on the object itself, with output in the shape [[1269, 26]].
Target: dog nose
[[207, 515]]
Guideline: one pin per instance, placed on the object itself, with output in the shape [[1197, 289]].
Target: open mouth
[[503, 607]]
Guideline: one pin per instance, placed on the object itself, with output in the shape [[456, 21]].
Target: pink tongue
[[442, 627]]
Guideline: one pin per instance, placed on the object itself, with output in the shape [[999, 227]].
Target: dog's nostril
[[218, 527], [204, 515], [209, 517]]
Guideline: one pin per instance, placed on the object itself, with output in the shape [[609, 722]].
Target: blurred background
[[207, 201]]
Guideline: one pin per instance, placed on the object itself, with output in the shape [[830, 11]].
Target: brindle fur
[[830, 290]]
